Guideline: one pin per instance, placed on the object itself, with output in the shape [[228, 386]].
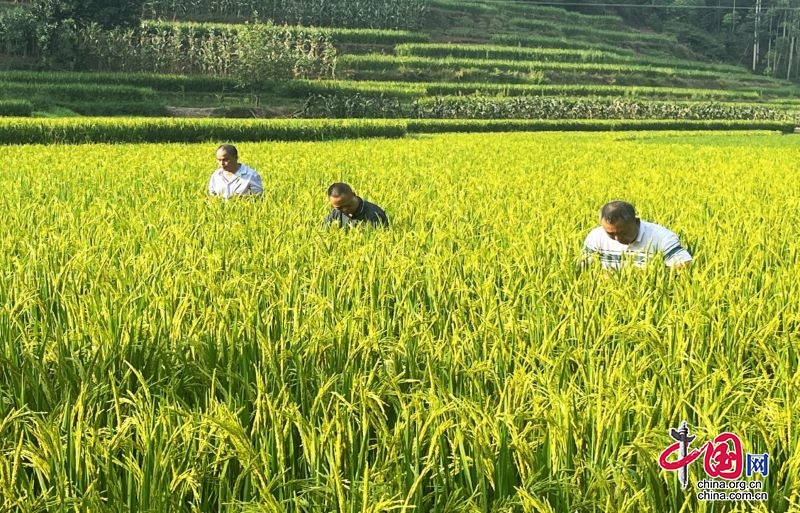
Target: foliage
[[159, 49], [257, 55], [354, 105], [711, 44], [267, 54], [340, 35], [58, 23], [722, 30], [17, 32], [119, 13]]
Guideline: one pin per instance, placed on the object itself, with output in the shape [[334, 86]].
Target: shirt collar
[[241, 172], [360, 209], [640, 235]]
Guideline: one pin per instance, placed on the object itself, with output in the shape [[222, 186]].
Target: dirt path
[[191, 112], [232, 112]]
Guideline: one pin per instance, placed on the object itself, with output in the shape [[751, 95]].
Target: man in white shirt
[[233, 178], [623, 238]]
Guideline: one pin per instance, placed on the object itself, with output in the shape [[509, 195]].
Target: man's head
[[228, 158], [343, 198], [618, 219]]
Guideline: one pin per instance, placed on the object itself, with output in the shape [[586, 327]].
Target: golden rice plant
[[162, 351]]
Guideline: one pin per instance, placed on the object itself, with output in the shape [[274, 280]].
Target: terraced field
[[163, 351], [492, 50]]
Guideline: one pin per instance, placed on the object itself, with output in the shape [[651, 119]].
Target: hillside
[[464, 59]]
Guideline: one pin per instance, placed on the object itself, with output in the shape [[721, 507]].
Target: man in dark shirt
[[350, 210]]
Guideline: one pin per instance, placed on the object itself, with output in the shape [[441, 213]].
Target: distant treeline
[[725, 30]]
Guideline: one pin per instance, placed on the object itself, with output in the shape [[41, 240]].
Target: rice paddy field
[[164, 352]]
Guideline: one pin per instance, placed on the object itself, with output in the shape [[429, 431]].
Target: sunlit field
[[161, 351]]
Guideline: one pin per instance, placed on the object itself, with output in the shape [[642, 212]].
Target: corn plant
[[342, 13]]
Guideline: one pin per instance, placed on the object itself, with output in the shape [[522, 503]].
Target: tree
[[58, 23], [268, 55], [105, 13]]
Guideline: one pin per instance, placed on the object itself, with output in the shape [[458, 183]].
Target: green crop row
[[378, 62], [155, 81], [535, 39], [465, 7], [304, 88], [141, 130], [498, 52], [538, 107], [375, 36], [357, 105], [82, 130], [582, 125], [540, 41], [16, 108], [88, 98], [301, 88], [76, 92], [590, 90]]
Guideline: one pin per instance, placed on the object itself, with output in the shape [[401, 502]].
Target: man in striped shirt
[[623, 238]]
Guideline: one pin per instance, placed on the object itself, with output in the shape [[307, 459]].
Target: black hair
[[229, 149], [339, 189], [614, 211]]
